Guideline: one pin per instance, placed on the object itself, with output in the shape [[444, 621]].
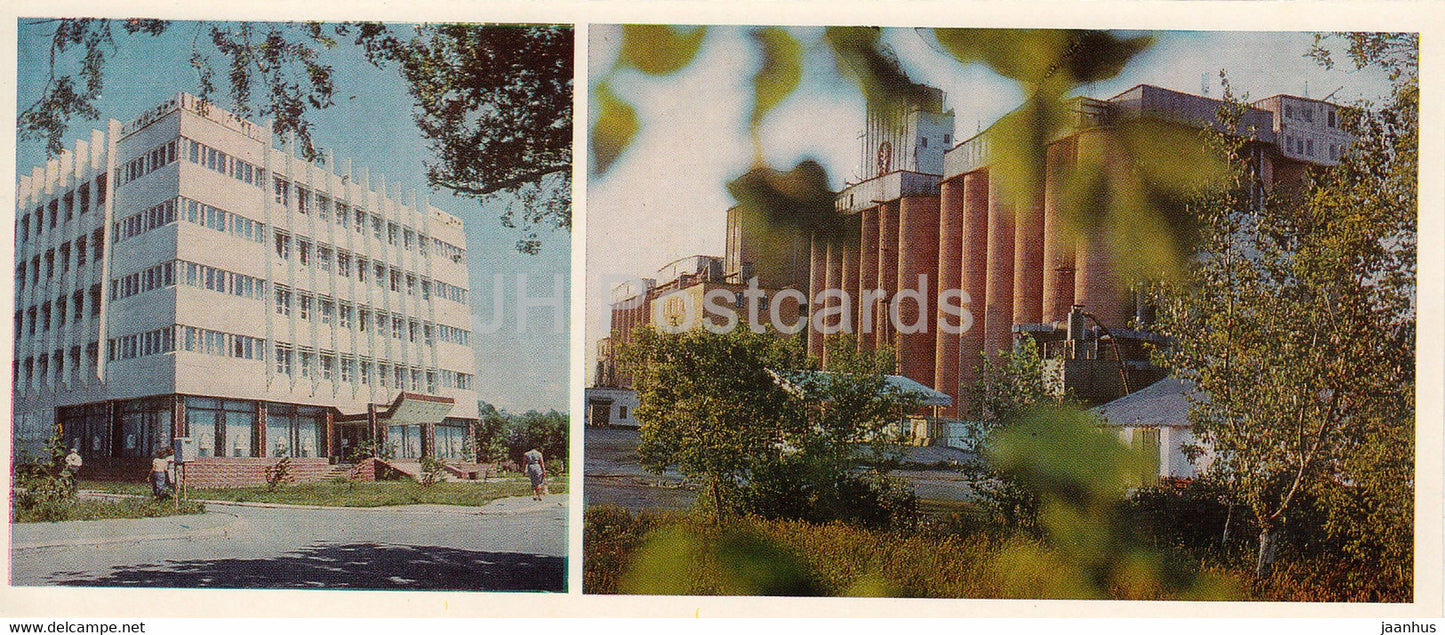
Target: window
[[347, 366], [303, 359], [391, 233], [622, 412], [363, 375], [410, 284], [343, 264], [362, 318], [360, 221], [303, 251], [283, 192], [323, 257], [283, 359], [407, 237], [303, 306], [303, 200], [80, 251], [283, 246], [396, 280], [376, 226], [1331, 117], [283, 301], [326, 310], [411, 331], [343, 314], [323, 207], [396, 326], [328, 366]]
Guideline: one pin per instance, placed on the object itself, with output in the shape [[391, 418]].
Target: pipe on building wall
[[887, 272], [950, 276], [917, 272]]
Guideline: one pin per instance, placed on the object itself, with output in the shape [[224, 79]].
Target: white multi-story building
[[181, 275]]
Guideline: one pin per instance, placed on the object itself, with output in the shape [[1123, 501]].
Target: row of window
[[1306, 147], [31, 225], [141, 344], [39, 318], [223, 221], [192, 274], [326, 258], [38, 369], [327, 310], [454, 335], [157, 216], [394, 234], [307, 363], [150, 161], [213, 159], [61, 257], [186, 338]]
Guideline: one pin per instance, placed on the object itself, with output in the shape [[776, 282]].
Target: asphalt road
[[612, 475], [511, 545]]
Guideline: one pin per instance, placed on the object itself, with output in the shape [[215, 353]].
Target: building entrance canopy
[[407, 409]]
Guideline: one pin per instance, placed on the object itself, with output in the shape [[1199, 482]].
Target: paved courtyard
[[510, 545]]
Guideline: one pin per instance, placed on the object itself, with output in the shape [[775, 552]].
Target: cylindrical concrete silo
[[917, 257], [867, 278], [950, 276], [998, 295], [975, 278], [1058, 239]]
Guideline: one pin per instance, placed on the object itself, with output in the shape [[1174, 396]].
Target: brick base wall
[[244, 472]]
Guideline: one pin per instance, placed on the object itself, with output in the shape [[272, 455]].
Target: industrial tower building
[[933, 212], [182, 276]]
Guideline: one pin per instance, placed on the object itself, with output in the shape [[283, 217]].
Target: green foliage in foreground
[[364, 494], [102, 509], [674, 553]]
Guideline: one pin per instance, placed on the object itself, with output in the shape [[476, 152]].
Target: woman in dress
[[537, 471]]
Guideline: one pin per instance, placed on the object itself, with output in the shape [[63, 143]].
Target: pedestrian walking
[[160, 473], [72, 468], [537, 471]]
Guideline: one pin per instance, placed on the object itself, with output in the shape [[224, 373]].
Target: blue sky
[[664, 198], [371, 124]]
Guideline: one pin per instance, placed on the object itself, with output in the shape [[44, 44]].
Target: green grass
[[357, 494], [103, 509]]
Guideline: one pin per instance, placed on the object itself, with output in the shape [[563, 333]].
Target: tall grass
[[678, 553]]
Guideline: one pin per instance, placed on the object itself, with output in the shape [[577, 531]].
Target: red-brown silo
[[817, 272], [1028, 289], [1097, 284], [851, 272], [950, 276], [867, 278], [1058, 256], [998, 295], [917, 258], [975, 280], [832, 282]]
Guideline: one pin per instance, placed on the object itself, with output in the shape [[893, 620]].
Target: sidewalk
[[119, 530], [219, 522]]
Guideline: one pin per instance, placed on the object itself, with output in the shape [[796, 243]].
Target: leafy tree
[[491, 425], [494, 102], [1008, 387], [1284, 303], [747, 415], [501, 435]]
